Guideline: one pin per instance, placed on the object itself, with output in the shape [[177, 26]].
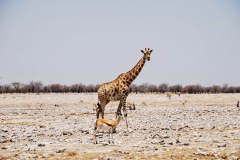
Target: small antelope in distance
[[107, 125], [169, 95], [238, 105], [131, 106]]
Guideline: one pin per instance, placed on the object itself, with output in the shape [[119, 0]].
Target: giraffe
[[118, 89]]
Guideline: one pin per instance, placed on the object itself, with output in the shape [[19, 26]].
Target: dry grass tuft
[[73, 153]]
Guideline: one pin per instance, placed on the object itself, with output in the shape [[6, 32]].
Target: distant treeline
[[39, 87]]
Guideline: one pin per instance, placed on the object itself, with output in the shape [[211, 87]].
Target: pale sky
[[92, 42]]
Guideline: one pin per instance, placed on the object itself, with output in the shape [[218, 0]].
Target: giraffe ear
[[151, 51], [142, 51]]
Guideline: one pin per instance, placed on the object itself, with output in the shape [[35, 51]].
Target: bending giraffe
[[118, 89]]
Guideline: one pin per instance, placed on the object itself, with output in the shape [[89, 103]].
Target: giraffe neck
[[134, 72]]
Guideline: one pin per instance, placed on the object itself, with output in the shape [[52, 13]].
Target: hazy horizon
[[92, 42]]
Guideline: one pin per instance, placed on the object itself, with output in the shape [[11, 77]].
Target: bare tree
[[46, 89], [133, 88], [193, 89], [143, 87], [37, 87], [6, 88], [152, 88], [163, 88], [74, 88], [237, 89], [215, 89], [175, 88], [16, 86], [1, 89], [90, 88], [56, 88], [224, 88], [82, 87]]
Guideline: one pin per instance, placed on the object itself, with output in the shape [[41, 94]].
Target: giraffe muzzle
[[148, 58]]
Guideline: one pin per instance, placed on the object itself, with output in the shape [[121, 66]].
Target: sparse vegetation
[[39, 87], [60, 126]]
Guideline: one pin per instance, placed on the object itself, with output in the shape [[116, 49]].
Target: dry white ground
[[59, 126]]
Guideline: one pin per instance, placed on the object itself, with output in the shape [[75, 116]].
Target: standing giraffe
[[118, 89]]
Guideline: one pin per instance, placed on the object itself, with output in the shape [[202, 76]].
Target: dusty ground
[[59, 126]]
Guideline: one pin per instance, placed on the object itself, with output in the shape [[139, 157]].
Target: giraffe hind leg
[[98, 110], [112, 134], [95, 136], [103, 107], [124, 109], [109, 134], [125, 115]]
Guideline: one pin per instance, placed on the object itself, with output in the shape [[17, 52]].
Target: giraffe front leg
[[125, 111], [125, 115], [119, 107]]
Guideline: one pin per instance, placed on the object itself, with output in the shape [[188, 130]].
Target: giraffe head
[[147, 52]]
